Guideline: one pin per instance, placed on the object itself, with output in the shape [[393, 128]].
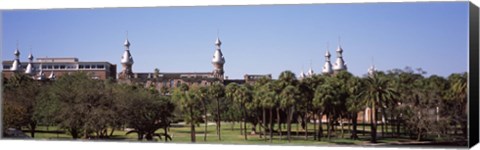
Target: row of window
[[64, 67], [171, 83]]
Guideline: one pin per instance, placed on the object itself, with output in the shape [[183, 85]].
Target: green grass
[[233, 136]]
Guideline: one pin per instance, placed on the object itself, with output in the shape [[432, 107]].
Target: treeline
[[411, 104]]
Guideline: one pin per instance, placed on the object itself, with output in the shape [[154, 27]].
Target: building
[[169, 80], [51, 68]]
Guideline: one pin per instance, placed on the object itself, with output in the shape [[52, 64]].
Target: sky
[[265, 39]]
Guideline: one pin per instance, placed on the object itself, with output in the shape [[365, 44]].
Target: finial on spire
[[127, 43]]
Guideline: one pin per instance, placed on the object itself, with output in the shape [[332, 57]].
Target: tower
[[16, 66], [218, 61], [127, 62], [327, 68], [29, 70], [339, 63], [371, 71]]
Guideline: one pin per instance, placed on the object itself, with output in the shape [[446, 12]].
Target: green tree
[[190, 105], [377, 90], [288, 98], [217, 93]]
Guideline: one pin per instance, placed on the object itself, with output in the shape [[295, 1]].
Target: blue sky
[[256, 39]]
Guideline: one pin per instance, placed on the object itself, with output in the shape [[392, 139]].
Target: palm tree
[[202, 94], [268, 102], [288, 98], [354, 102], [189, 104], [326, 96], [217, 92], [377, 90]]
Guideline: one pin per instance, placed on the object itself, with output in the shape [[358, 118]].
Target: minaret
[[52, 76], [371, 71], [218, 61], [41, 75], [339, 63], [302, 74], [327, 68], [310, 72], [127, 62], [16, 66], [29, 70]]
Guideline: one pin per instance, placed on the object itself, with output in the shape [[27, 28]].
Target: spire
[[302, 74], [339, 63], [327, 67], [52, 76], [218, 60], [16, 66], [41, 75], [371, 70], [310, 71], [218, 56], [29, 69], [127, 43], [127, 57]]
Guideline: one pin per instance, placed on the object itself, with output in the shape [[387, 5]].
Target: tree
[[217, 93], [377, 90], [21, 96], [202, 94], [190, 105], [288, 98], [354, 102], [146, 111], [325, 97]]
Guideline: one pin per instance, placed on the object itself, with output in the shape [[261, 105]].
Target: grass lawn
[[232, 136]]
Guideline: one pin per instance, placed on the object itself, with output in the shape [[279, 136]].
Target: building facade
[[51, 68]]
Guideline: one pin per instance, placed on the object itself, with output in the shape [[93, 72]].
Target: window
[[62, 66], [81, 66], [171, 83], [6, 67], [100, 66]]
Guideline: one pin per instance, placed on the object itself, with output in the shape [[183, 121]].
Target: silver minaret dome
[[218, 42], [16, 66], [310, 72], [127, 43], [127, 57], [327, 67], [29, 69], [339, 63], [218, 56]]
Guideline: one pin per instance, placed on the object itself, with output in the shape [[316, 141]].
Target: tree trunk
[[206, 124], [305, 120], [374, 124], [328, 126], [354, 126], [33, 126], [111, 132], [165, 130], [320, 127], [398, 125], [192, 126], [264, 121], [315, 133], [218, 121], [279, 125], [341, 126], [245, 123], [289, 123], [271, 125]]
